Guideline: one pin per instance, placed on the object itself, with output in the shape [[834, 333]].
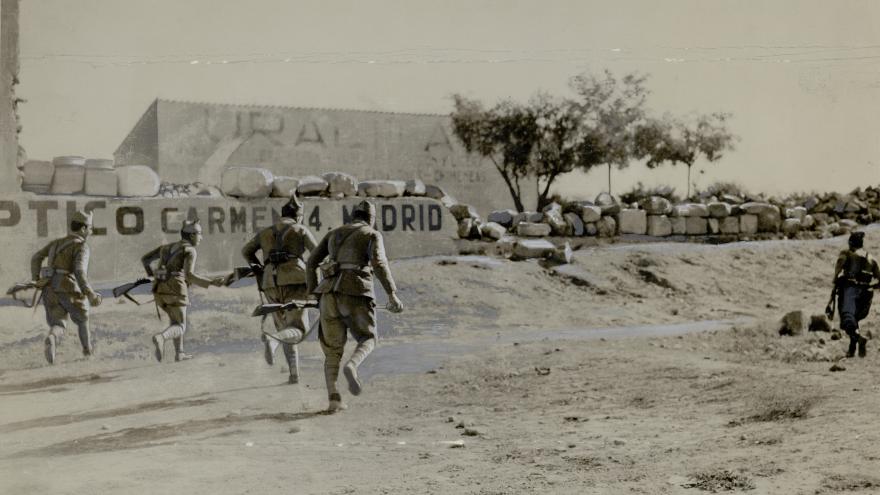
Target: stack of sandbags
[[37, 176], [382, 188], [70, 174], [340, 184], [311, 185], [101, 178], [248, 182], [137, 181], [283, 186]]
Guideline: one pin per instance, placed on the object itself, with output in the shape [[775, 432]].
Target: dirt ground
[[639, 368]]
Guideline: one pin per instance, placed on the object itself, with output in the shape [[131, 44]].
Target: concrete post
[[9, 67]]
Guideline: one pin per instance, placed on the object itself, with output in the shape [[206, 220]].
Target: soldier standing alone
[[283, 278], [355, 251], [66, 289], [853, 274], [172, 277]]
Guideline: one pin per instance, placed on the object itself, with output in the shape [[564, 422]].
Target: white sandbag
[[340, 183], [311, 186], [68, 179], [100, 163], [283, 187], [248, 182], [101, 182], [38, 173], [69, 161], [137, 181], [382, 188]]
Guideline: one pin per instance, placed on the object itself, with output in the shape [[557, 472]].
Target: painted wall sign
[[125, 229]]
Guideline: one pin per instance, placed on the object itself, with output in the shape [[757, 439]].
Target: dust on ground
[[483, 411]]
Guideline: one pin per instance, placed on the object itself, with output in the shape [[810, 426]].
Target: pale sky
[[802, 78]]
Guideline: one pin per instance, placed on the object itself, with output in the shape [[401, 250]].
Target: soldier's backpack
[[49, 270], [278, 255], [166, 256]]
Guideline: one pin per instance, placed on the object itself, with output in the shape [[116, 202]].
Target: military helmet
[[366, 208], [857, 239], [82, 217], [293, 208], [191, 227]]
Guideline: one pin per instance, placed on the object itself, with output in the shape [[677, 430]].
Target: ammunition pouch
[[329, 269], [163, 275], [278, 257]]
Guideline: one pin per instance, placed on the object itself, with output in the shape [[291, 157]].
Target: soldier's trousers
[[854, 303], [341, 313], [176, 311], [291, 324], [60, 305]]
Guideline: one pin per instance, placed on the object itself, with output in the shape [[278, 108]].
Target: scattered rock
[[574, 224], [793, 323], [381, 188], [462, 211], [502, 217], [533, 248], [340, 183], [492, 230], [657, 205], [819, 323], [632, 221], [529, 229], [836, 367], [415, 187]]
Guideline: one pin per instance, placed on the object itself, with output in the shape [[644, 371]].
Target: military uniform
[[356, 253], [172, 278], [66, 288], [283, 280], [854, 271]]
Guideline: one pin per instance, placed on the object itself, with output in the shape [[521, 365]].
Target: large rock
[[791, 226], [590, 213], [657, 205], [606, 199], [748, 224], [246, 182], [697, 226], [502, 217], [382, 188], [659, 226], [101, 182], [435, 192], [38, 173], [311, 185], [607, 227], [591, 229], [690, 210], [811, 203], [68, 179], [610, 210], [562, 254], [798, 212], [492, 230], [340, 183], [529, 229], [462, 211], [679, 225], [713, 225], [553, 217], [632, 222], [769, 217], [414, 187], [284, 187], [808, 222], [718, 209], [793, 323], [729, 225], [819, 323], [574, 224], [469, 228], [533, 248], [731, 199], [137, 181], [528, 216]]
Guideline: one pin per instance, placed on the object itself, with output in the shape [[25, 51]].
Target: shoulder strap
[[169, 253], [60, 245], [334, 247], [279, 235]]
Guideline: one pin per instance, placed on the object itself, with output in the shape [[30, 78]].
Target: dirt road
[[501, 377]]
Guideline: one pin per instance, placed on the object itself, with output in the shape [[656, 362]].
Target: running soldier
[[65, 284], [355, 251], [171, 279], [282, 277], [853, 274]]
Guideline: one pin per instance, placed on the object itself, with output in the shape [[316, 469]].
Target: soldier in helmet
[[283, 278], [853, 274], [66, 289], [353, 252], [171, 279]]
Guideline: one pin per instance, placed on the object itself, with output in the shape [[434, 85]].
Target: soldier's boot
[[269, 346], [853, 342], [360, 353], [863, 346], [336, 404], [159, 344], [179, 355], [50, 348], [85, 338], [291, 353]]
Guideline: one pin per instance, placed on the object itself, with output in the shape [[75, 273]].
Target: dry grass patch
[[779, 404], [850, 483], [721, 480]]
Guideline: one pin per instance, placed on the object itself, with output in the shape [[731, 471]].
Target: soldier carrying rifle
[[853, 274], [171, 279], [282, 278], [65, 284]]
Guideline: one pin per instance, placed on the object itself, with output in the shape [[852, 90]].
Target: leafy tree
[[612, 111], [676, 140], [505, 134], [558, 142]]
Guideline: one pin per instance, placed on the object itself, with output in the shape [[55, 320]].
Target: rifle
[[315, 324], [22, 286], [829, 308], [269, 308], [124, 289], [243, 272]]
